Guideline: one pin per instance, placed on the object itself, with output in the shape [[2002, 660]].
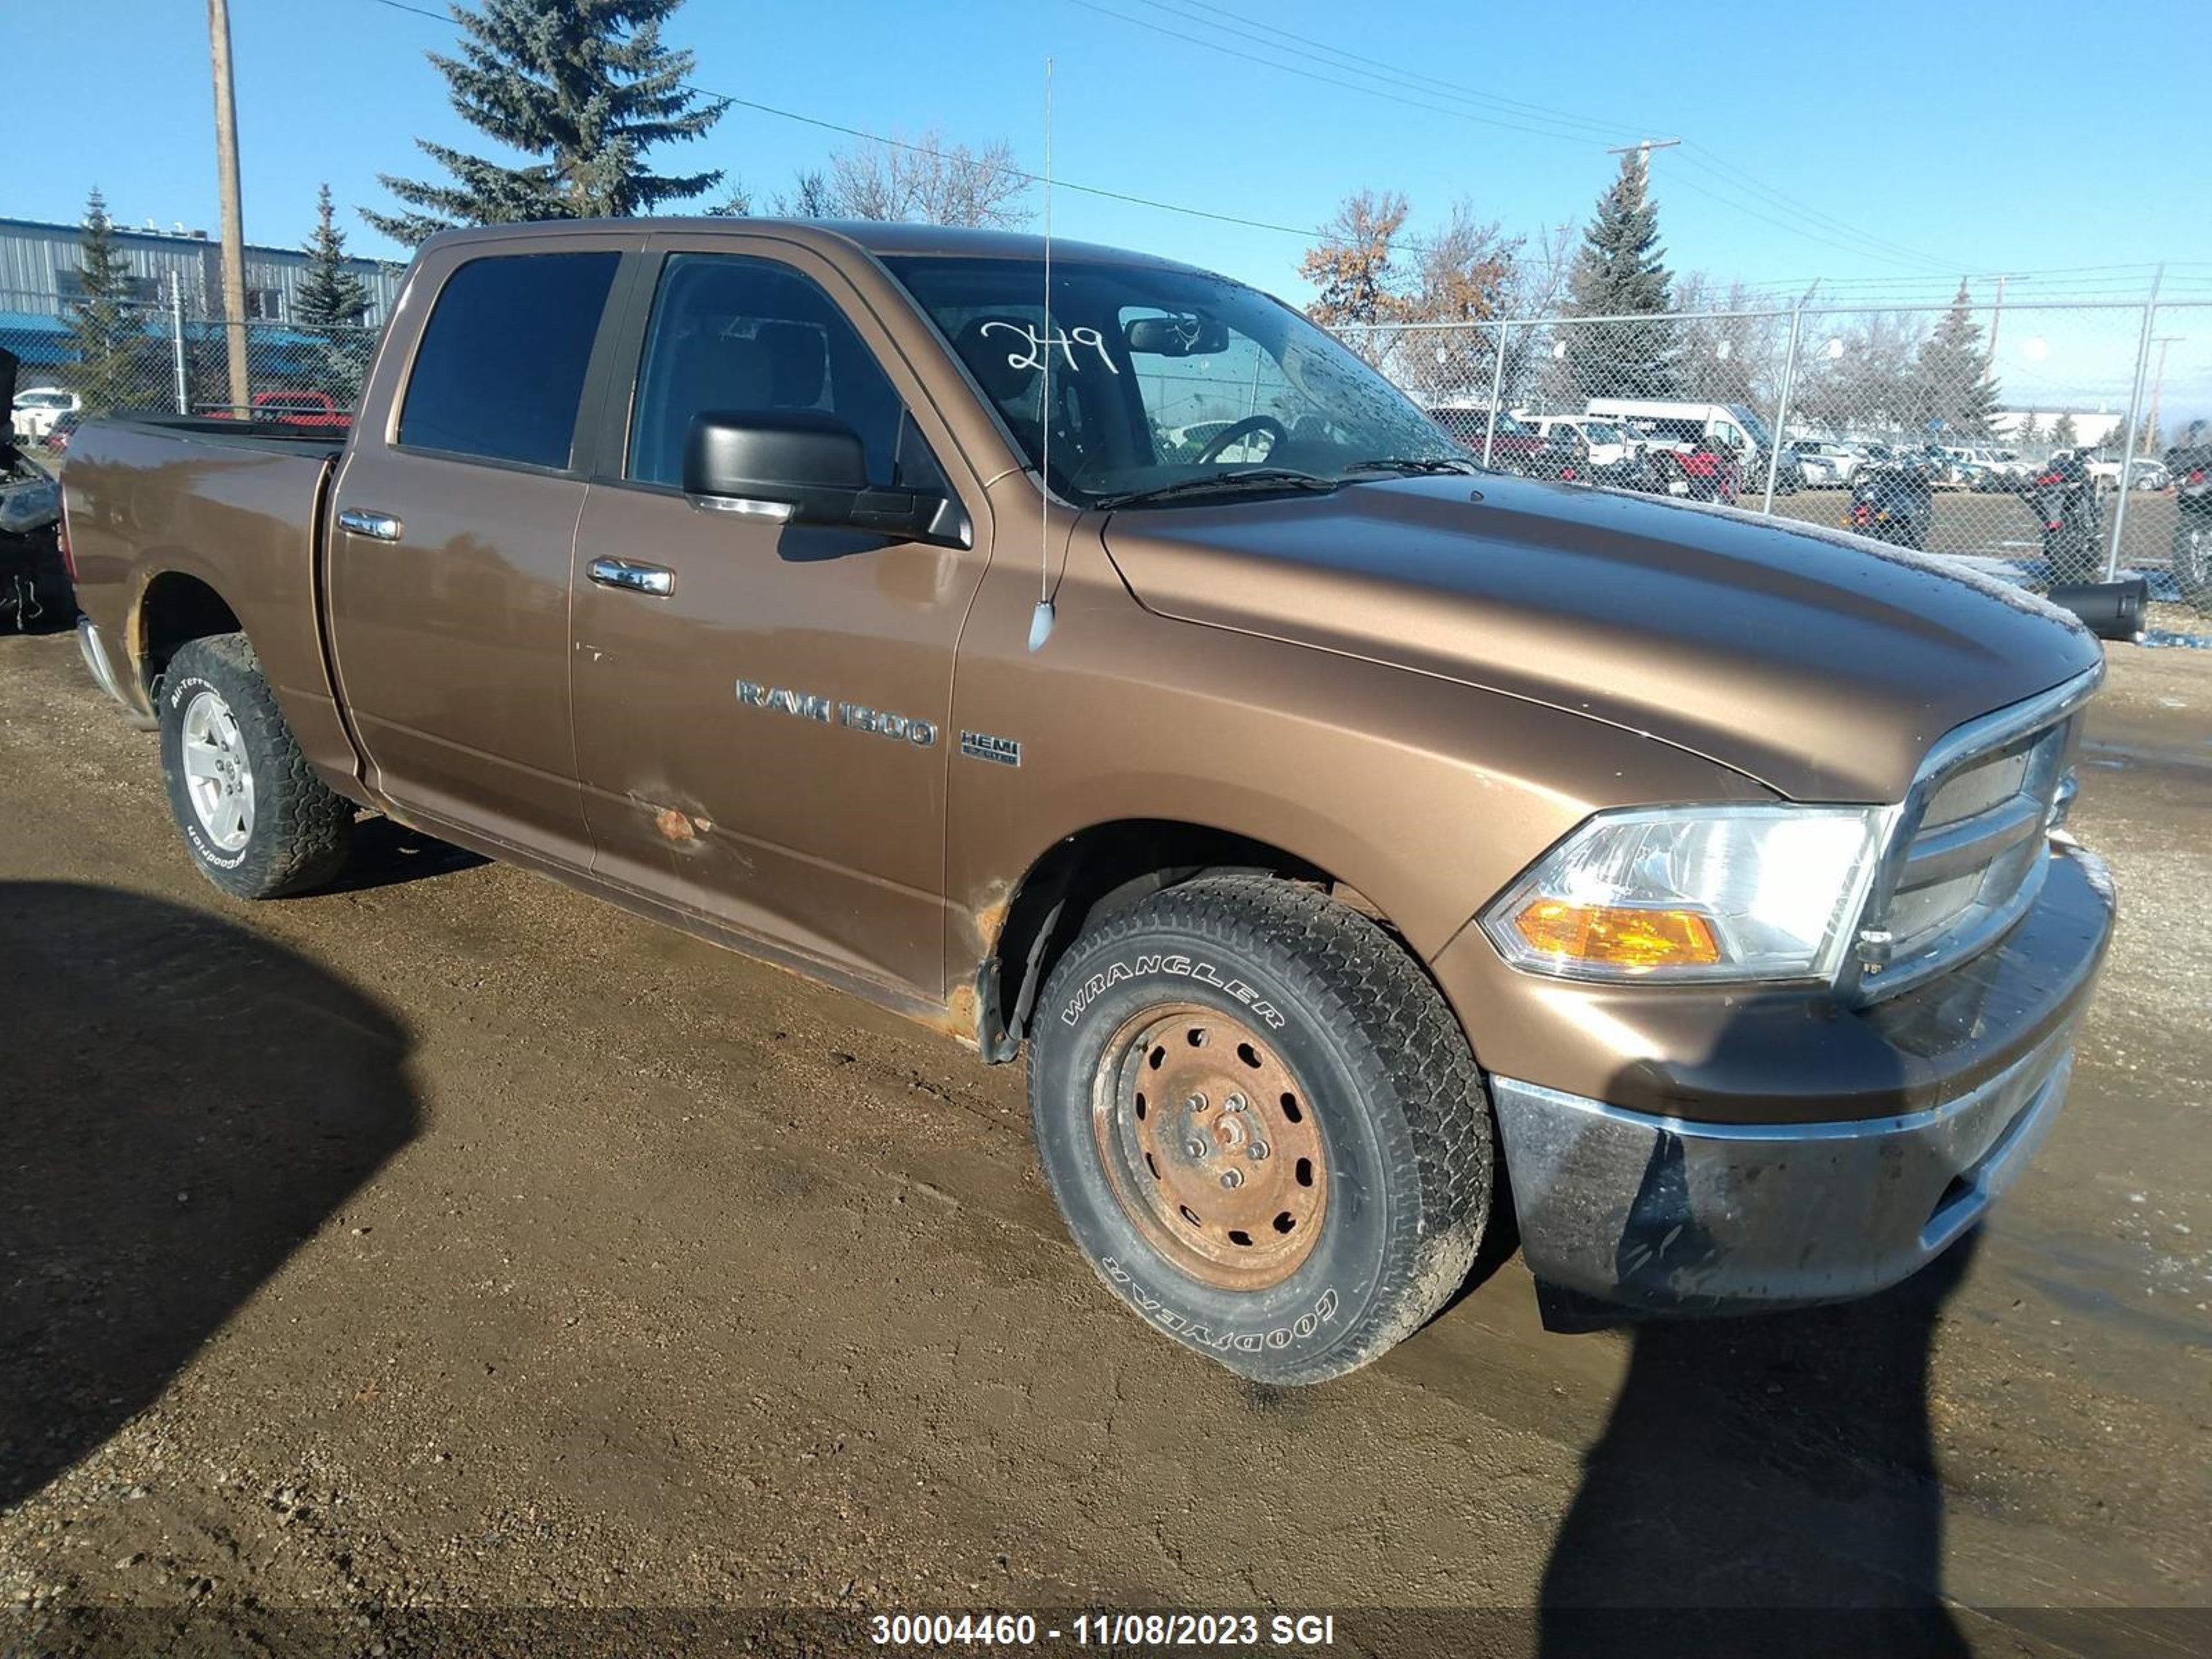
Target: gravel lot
[[455, 1242]]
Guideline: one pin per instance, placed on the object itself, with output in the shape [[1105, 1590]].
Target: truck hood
[[1820, 664]]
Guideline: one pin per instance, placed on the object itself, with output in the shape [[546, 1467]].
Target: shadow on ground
[[1766, 1483], [182, 1104], [1770, 1478], [385, 853]]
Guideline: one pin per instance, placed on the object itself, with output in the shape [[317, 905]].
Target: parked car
[[33, 413], [2190, 465], [1333, 827], [1731, 428], [2143, 473], [1828, 464], [296, 407], [34, 588], [1819, 471], [64, 429], [1515, 448]]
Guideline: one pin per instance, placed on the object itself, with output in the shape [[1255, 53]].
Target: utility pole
[[1643, 147], [2135, 412], [234, 231], [1996, 319]]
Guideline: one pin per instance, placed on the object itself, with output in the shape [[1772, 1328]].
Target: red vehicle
[[1710, 470], [1515, 448], [288, 407]]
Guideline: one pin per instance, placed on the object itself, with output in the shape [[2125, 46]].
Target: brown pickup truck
[[1353, 836]]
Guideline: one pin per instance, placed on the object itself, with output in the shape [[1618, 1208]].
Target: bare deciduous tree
[[1460, 275], [924, 180]]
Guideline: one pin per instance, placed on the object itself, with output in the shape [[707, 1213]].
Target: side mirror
[[802, 467]]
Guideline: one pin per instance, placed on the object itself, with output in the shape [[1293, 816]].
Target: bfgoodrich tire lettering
[[1384, 1078], [299, 832]]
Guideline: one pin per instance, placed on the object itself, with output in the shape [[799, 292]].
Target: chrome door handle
[[378, 527], [637, 578]]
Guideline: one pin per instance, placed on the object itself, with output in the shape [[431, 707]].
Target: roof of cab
[[878, 237]]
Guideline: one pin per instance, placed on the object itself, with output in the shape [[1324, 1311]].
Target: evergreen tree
[[1620, 271], [583, 86], [2063, 434], [1951, 375], [331, 300], [330, 294], [2025, 432], [105, 336]]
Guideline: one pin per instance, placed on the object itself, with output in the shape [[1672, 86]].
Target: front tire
[[256, 820], [1262, 1124]]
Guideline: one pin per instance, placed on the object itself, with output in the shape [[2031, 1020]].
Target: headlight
[[1699, 892]]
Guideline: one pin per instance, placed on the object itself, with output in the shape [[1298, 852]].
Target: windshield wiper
[[1270, 480], [1410, 467]]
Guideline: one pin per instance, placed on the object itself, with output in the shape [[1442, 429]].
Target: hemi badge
[[981, 745]]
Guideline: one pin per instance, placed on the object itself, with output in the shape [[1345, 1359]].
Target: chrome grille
[[1971, 843]]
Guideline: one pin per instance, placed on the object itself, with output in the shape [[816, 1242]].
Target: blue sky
[[2025, 137]]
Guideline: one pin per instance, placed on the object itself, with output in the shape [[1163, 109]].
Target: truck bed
[[236, 506], [283, 437]]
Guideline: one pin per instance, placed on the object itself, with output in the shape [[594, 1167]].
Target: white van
[[1678, 423], [1607, 442]]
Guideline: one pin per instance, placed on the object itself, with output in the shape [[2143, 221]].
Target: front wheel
[[1262, 1124], [256, 820]]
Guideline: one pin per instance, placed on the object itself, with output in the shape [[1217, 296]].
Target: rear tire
[[1262, 1124], [256, 820]]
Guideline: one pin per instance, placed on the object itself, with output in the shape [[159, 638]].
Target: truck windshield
[[1163, 379]]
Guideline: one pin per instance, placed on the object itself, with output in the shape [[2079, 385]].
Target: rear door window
[[501, 369]]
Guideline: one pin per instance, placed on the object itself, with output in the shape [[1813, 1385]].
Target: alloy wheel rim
[[218, 778]]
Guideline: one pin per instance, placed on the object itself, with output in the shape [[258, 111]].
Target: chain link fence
[[1933, 426], [1929, 426], [133, 357]]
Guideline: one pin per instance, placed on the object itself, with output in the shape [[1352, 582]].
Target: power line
[[1306, 231], [1867, 246], [1521, 126], [1607, 129], [1702, 155]]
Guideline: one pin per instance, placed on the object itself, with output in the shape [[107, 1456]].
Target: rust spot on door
[[675, 825]]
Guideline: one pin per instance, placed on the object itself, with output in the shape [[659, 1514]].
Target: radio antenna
[[1042, 619]]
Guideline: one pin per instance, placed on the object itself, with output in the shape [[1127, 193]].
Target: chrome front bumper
[[1666, 1215]]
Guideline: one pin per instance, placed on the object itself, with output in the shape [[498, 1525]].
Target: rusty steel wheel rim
[[1210, 1146]]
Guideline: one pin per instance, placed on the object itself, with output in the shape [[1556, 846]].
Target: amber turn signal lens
[[1618, 935]]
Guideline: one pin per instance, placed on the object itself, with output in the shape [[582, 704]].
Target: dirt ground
[[455, 1242]]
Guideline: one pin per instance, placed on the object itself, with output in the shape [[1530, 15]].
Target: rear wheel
[[1262, 1124], [255, 817]]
